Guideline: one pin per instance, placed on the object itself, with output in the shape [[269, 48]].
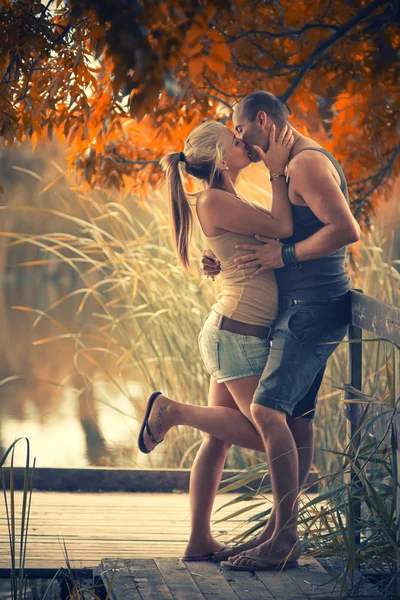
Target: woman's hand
[[277, 155], [209, 265]]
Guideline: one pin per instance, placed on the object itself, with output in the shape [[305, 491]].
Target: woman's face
[[236, 152]]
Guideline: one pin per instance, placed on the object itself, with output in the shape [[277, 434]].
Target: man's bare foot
[[261, 538], [202, 547], [160, 421], [274, 551]]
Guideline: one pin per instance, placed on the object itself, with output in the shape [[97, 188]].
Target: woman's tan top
[[253, 301]]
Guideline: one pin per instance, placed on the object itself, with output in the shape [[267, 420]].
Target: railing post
[[396, 383], [353, 412], [382, 320]]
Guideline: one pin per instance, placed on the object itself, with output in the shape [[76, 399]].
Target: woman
[[234, 340]]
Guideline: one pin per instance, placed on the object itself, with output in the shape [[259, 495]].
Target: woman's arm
[[275, 159], [261, 208], [226, 211]]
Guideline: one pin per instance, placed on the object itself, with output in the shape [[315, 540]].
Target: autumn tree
[[125, 81]]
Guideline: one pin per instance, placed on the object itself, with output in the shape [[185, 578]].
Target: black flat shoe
[[145, 425]]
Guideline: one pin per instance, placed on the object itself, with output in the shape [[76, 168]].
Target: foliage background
[[123, 82]]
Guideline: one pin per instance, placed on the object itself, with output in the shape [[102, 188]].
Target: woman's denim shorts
[[228, 355]]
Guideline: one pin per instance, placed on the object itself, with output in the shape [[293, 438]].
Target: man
[[314, 312]]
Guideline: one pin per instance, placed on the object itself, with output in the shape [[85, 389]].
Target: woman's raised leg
[[227, 424]]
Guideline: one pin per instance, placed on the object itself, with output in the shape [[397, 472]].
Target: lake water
[[37, 398]]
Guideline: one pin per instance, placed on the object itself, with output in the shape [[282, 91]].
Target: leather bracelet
[[289, 257], [276, 176], [288, 254]]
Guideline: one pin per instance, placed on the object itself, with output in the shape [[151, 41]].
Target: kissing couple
[[282, 311]]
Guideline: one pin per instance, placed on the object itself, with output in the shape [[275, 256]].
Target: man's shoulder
[[310, 160]]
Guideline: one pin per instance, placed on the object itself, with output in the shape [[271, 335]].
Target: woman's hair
[[203, 153]]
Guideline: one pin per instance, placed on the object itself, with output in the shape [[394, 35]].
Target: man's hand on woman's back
[[209, 264]]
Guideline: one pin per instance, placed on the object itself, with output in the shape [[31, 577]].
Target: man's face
[[251, 133]]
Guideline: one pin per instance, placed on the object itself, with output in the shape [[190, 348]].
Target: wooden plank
[[281, 585], [211, 581], [178, 579], [311, 577], [109, 479], [123, 586], [148, 579], [375, 316], [247, 586]]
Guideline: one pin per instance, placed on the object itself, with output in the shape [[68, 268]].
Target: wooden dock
[[143, 537], [114, 525], [173, 579]]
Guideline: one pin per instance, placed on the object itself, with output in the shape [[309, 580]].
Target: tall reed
[[141, 316], [18, 580]]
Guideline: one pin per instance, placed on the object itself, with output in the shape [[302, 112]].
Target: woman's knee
[[216, 442]]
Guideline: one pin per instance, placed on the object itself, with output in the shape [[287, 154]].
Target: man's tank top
[[253, 301], [319, 278]]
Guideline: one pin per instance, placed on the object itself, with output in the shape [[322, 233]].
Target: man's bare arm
[[318, 187], [314, 181]]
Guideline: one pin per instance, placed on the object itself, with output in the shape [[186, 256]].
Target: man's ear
[[262, 119]]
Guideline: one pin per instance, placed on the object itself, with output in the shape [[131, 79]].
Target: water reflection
[[41, 401]]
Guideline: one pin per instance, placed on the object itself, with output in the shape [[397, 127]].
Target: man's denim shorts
[[303, 338], [228, 355]]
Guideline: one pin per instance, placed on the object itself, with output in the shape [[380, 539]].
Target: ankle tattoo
[[159, 420]]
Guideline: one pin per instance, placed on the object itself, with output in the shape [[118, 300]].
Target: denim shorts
[[228, 355], [303, 338]]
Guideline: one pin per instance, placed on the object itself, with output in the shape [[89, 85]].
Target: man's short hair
[[251, 105]]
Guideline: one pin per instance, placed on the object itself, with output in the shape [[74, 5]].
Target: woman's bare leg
[[225, 421], [227, 424], [205, 478]]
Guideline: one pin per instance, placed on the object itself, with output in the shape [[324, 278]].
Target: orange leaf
[[221, 50], [194, 34], [196, 65], [34, 139], [216, 64], [193, 50], [215, 36]]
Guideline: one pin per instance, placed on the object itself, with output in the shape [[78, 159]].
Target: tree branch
[[288, 32], [131, 162], [224, 102], [327, 44], [234, 96], [381, 175]]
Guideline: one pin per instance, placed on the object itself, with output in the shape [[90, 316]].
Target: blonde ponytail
[[180, 213], [203, 156]]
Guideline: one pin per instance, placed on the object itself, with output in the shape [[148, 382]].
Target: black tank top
[[319, 278]]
